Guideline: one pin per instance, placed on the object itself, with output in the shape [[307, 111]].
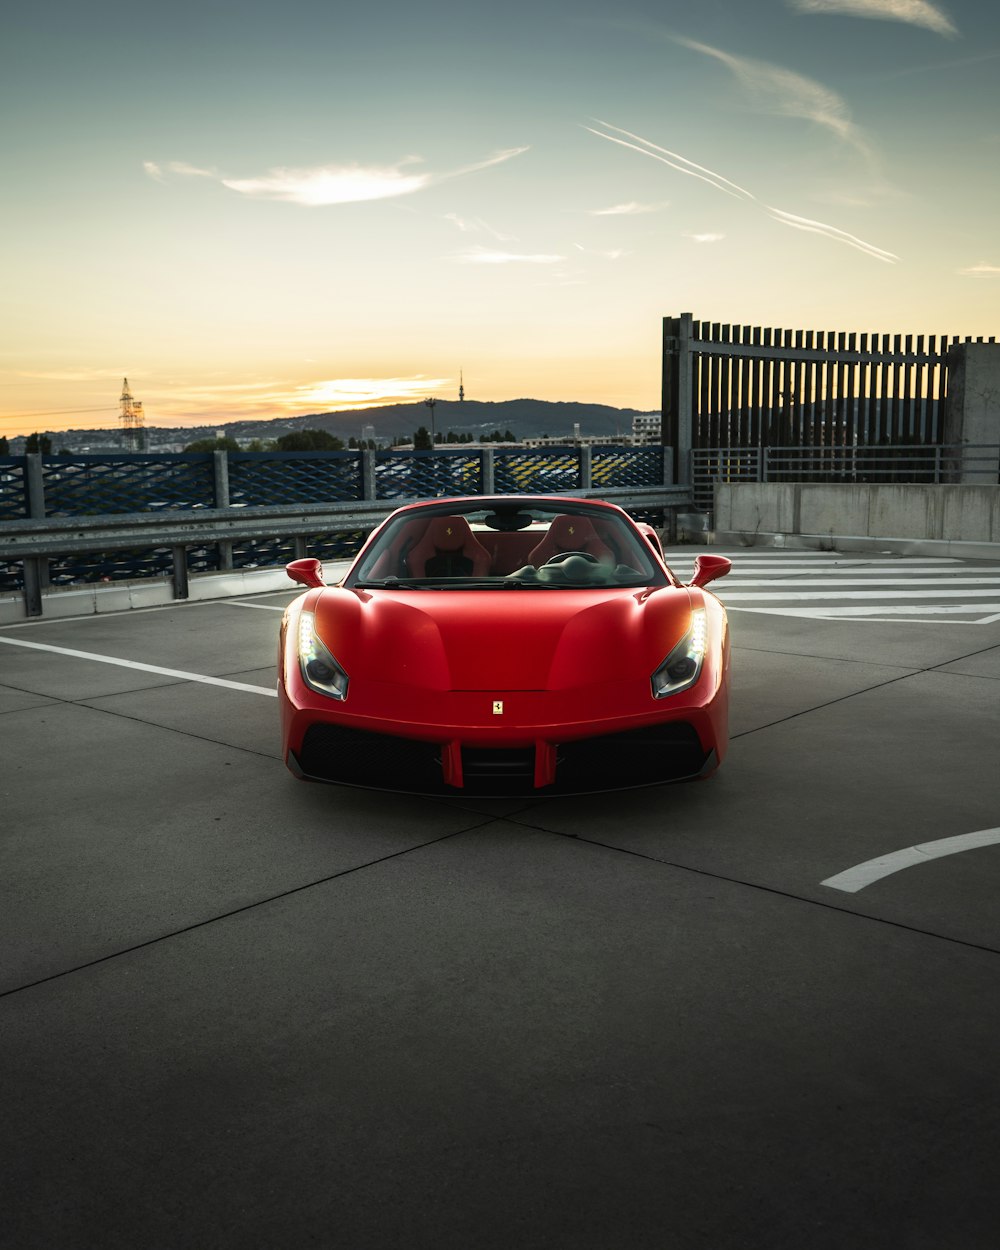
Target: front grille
[[497, 772], [355, 757], [637, 757], [498, 763]]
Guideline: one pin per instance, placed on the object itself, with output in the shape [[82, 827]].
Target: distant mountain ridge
[[525, 418]]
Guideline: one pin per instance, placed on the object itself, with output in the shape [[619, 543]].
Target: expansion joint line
[[237, 911], [854, 694], [764, 889]]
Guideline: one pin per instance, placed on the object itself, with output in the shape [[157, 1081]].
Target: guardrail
[[290, 533]]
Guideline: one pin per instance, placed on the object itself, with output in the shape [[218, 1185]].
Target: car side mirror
[[307, 572], [708, 568]]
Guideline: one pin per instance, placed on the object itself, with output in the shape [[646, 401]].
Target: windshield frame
[[648, 571]]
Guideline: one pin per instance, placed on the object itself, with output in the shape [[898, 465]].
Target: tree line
[[322, 440], [298, 440]]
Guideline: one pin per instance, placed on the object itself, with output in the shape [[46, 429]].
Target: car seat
[[570, 533], [449, 548]]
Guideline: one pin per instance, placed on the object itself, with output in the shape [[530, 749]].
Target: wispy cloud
[[323, 185], [613, 254], [484, 256], [476, 225], [914, 12], [937, 67], [191, 171], [784, 93], [328, 185], [684, 166], [498, 158], [631, 209], [159, 172], [982, 268], [704, 238]]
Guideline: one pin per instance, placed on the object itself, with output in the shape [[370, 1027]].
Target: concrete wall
[[936, 513], [973, 412]]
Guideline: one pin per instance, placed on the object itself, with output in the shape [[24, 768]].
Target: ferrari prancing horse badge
[[498, 707]]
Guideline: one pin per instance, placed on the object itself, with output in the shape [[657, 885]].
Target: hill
[[524, 418]]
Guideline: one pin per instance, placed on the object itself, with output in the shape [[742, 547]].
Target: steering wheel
[[565, 555]]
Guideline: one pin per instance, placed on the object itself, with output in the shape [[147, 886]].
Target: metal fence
[[67, 520], [738, 387], [66, 485]]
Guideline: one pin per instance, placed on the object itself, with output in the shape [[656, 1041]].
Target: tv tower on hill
[[132, 420], [461, 387]]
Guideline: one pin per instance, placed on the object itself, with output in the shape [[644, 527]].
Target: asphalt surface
[[242, 1011]]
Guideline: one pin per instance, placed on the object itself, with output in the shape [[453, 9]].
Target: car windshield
[[500, 544]]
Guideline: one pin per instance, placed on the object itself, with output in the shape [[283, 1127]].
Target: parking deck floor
[[238, 1010]]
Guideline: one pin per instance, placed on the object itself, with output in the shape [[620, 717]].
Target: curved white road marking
[[239, 603], [144, 668], [856, 878]]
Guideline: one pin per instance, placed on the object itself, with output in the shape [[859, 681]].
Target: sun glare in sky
[[261, 211]]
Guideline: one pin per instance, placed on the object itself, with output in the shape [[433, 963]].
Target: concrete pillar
[[972, 416]]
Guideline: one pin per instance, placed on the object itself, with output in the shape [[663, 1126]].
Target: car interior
[[507, 544]]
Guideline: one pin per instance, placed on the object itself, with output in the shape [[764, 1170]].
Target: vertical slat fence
[[831, 394]]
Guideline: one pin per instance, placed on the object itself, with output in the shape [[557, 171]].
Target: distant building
[[567, 440], [98, 449], [646, 428], [645, 431]]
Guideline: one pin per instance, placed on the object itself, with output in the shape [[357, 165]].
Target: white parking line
[[885, 611], [763, 595], [144, 668], [856, 878], [845, 579]]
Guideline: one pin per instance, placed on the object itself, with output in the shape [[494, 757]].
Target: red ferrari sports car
[[505, 645]]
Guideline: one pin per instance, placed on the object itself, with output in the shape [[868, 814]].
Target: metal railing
[[37, 486], [177, 539], [900, 464]]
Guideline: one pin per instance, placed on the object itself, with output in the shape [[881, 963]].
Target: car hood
[[501, 640]]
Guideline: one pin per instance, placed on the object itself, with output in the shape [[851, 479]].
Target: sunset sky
[[259, 210]]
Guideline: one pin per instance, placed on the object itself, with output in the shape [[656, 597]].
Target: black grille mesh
[[638, 757]]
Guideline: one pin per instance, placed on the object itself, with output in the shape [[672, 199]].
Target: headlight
[[682, 667], [320, 671]]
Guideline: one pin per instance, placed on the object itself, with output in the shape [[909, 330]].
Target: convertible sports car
[[505, 645]]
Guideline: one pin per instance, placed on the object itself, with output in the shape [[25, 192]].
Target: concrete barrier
[[841, 517]]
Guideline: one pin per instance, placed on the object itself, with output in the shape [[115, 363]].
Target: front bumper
[[584, 738], [637, 757]]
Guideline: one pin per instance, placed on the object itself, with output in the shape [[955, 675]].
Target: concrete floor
[[241, 1011]]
